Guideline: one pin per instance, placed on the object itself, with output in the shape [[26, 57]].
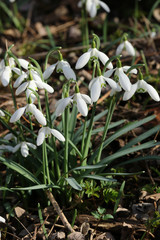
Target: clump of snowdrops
[[51, 156]]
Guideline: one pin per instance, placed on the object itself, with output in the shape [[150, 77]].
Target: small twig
[[24, 227], [59, 211]]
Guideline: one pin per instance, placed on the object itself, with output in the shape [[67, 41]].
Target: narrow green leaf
[[19, 169], [36, 187], [73, 183], [97, 177], [119, 197]]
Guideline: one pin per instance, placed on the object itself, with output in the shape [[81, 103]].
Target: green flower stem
[[85, 35], [84, 134], [45, 164], [13, 96], [47, 109], [58, 172], [86, 148], [66, 122], [108, 120]]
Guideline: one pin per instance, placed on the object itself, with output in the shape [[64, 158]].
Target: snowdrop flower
[[24, 148], [45, 132], [10, 136], [120, 76], [61, 67], [92, 53], [81, 101], [93, 5], [33, 81], [141, 86], [6, 71], [30, 108], [126, 45], [2, 113], [97, 83]]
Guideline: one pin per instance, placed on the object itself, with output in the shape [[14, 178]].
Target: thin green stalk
[[145, 62], [13, 97], [66, 118], [87, 142], [84, 134], [108, 120], [46, 162], [105, 28], [58, 172]]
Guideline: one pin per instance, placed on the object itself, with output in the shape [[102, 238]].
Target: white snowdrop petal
[[17, 115], [111, 82], [17, 71], [2, 219], [47, 73], [93, 10], [152, 92], [5, 76], [104, 6], [91, 82], [130, 49], [125, 69], [61, 105], [81, 104], [95, 91], [21, 88], [41, 137], [2, 113], [48, 88], [15, 149], [128, 95], [24, 63], [83, 60], [108, 73], [31, 145], [39, 116], [24, 149], [120, 48], [19, 80], [104, 58], [86, 98], [58, 135], [124, 80], [69, 73], [36, 76]]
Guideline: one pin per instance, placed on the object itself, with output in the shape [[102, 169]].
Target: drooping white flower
[[93, 5], [23, 83], [121, 77], [98, 83], [29, 109], [61, 66], [142, 86], [92, 53], [2, 114], [24, 148], [126, 45], [45, 132], [6, 71], [81, 101]]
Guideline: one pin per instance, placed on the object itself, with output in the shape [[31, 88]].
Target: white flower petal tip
[[17, 115], [83, 60], [2, 219], [2, 114]]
